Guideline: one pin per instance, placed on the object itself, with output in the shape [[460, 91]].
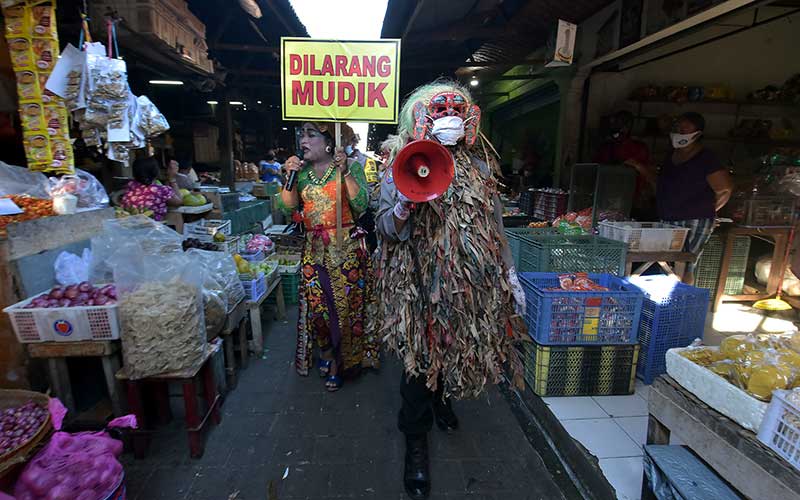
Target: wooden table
[[255, 312], [56, 354], [780, 235], [663, 259], [733, 452], [236, 323], [190, 378]]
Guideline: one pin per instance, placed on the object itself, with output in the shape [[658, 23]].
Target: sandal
[[333, 383], [324, 366]]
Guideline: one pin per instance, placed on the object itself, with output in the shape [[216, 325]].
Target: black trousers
[[416, 414]]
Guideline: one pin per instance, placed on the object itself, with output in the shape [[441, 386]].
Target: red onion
[[90, 302], [56, 293], [61, 492], [85, 286], [105, 290], [71, 292], [53, 303], [100, 300], [84, 296], [89, 480], [88, 494], [65, 302]]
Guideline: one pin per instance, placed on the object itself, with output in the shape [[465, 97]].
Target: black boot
[[446, 419], [416, 477]]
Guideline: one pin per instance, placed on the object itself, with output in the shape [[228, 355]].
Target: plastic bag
[[221, 268], [82, 466], [90, 193], [145, 234], [161, 310], [71, 269], [151, 121], [19, 180]]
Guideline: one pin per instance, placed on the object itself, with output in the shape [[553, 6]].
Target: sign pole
[[338, 134]]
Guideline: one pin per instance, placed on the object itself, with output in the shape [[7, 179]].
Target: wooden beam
[[286, 24], [239, 47]]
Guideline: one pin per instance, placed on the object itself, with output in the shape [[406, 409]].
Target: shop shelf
[[761, 211], [780, 429], [602, 370], [708, 267], [554, 253], [556, 316], [645, 236], [673, 315]]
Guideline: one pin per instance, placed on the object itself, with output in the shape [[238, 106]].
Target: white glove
[[519, 293], [402, 210]]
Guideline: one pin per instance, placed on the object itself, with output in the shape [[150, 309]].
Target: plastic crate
[[547, 205], [557, 317], [63, 324], [780, 429], [254, 288], [645, 236], [526, 202], [546, 253], [608, 370], [291, 288], [287, 269], [205, 229], [673, 315], [253, 256], [708, 267], [513, 235]]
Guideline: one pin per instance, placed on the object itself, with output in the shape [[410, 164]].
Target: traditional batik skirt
[[335, 290]]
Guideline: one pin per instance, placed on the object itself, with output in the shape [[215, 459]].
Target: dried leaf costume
[[444, 302]]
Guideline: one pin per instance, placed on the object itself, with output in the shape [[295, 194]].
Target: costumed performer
[[448, 301]]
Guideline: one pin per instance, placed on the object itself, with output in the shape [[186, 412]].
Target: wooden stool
[[663, 259], [190, 379], [56, 354]]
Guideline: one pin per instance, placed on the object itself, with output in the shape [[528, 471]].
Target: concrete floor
[[283, 437]]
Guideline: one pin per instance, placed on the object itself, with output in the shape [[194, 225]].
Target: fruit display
[[265, 266], [33, 208], [192, 199], [121, 213], [19, 424], [538, 225], [82, 294], [756, 364], [242, 266], [260, 242], [202, 245]]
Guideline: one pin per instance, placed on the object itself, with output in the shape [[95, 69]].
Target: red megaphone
[[423, 170]]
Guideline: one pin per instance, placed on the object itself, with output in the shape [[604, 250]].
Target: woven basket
[[10, 398]]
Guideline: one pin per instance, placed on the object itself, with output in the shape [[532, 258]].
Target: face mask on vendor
[[680, 141]]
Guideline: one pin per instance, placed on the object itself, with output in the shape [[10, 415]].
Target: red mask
[[447, 104]]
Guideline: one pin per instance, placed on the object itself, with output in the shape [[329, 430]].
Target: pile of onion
[[72, 467], [19, 424], [82, 294]]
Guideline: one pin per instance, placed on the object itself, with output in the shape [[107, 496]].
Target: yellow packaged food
[[790, 358], [43, 20], [15, 20], [702, 356], [723, 368], [32, 117], [765, 378], [28, 86], [20, 51], [37, 148], [57, 120], [59, 147], [735, 346], [45, 53]]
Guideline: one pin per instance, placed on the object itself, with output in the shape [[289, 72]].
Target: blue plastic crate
[[673, 315], [560, 317]]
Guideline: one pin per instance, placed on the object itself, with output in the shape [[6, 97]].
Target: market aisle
[[342, 445]]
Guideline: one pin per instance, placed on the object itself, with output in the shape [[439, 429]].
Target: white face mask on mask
[[682, 140], [448, 130]]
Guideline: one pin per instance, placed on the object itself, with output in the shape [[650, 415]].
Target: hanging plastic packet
[[152, 122]]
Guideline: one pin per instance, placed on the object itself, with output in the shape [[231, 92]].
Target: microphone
[[292, 179]]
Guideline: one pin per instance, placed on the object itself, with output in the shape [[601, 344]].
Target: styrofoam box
[[63, 324], [715, 391]]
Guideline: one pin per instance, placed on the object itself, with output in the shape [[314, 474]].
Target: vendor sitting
[[691, 186], [146, 193], [174, 174]]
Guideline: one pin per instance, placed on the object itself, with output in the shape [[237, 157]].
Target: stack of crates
[[514, 236], [708, 267], [584, 342], [673, 315], [559, 253]]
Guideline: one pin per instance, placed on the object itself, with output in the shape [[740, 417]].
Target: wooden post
[[226, 136], [338, 192]]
